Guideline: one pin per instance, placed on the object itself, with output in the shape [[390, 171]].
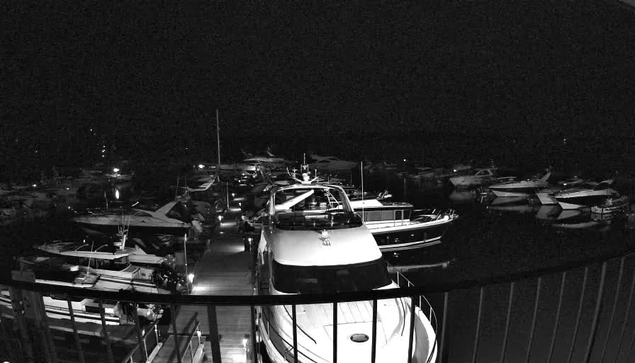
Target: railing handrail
[[252, 300]]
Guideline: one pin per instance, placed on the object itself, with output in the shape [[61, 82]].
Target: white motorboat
[[480, 177], [520, 188], [546, 196], [268, 160], [611, 206], [117, 267], [312, 241], [577, 198], [330, 163], [85, 310], [172, 218], [397, 226]]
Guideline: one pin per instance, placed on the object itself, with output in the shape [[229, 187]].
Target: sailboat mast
[[218, 140]]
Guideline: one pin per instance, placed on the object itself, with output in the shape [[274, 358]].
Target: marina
[[221, 263], [264, 182]]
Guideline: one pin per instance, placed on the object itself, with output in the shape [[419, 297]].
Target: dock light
[[190, 278], [245, 340], [117, 194], [233, 195], [115, 170], [34, 185], [198, 334], [404, 160], [220, 218], [201, 166]]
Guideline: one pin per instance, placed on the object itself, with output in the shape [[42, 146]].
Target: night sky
[[437, 81]]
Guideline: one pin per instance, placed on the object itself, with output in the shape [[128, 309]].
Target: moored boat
[[520, 188], [312, 242], [577, 198], [611, 206], [397, 226]]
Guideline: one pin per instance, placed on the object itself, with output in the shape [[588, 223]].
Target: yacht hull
[[409, 236], [581, 201], [513, 192]]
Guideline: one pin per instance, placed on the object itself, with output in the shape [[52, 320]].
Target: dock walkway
[[223, 269]]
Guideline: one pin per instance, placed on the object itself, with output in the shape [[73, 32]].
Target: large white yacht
[[313, 242]]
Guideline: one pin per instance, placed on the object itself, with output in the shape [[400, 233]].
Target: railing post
[[557, 321], [443, 326], [176, 334], [373, 345], [254, 343], [412, 328], [626, 314], [579, 315], [213, 333], [478, 322], [533, 320], [596, 314], [102, 314], [78, 343], [616, 298], [141, 341], [507, 320], [630, 348], [335, 332], [295, 332]]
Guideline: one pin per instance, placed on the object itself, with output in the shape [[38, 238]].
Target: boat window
[[398, 214], [373, 216], [406, 214], [330, 279], [335, 219]]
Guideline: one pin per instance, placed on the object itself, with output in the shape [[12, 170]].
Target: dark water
[[508, 239]]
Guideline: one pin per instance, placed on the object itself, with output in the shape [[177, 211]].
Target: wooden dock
[[224, 269]]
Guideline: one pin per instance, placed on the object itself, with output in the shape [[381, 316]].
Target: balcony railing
[[579, 312]]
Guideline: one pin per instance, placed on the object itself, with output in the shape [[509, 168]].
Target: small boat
[[611, 206], [85, 310], [521, 188], [397, 226], [118, 267], [585, 197], [480, 177], [172, 218], [546, 196], [330, 163]]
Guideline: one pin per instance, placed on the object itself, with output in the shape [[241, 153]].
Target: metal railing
[[578, 312]]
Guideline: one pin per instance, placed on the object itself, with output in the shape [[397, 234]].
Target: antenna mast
[[218, 140]]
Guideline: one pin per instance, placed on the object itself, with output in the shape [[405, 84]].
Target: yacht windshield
[[330, 279], [314, 208]]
